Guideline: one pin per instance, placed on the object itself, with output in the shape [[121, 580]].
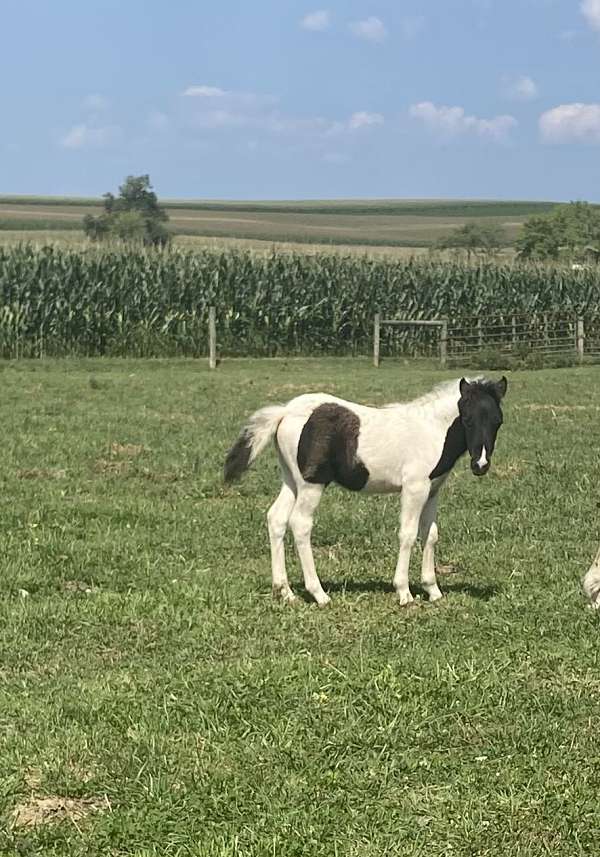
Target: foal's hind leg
[[277, 519], [428, 533], [301, 522]]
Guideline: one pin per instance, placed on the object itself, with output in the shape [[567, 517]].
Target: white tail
[[255, 435]]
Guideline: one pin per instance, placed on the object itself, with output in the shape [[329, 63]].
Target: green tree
[[474, 238], [540, 238], [571, 230], [133, 215]]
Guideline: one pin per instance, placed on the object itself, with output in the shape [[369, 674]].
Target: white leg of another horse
[[591, 582], [428, 533], [413, 500], [277, 519], [301, 522]]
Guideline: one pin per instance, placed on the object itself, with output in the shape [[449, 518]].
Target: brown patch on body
[[52, 810], [327, 450]]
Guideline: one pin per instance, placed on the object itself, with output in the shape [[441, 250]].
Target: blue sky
[[283, 100]]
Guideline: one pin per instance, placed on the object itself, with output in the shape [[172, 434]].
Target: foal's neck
[[445, 408]]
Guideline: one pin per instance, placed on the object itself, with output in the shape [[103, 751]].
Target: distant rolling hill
[[376, 222]]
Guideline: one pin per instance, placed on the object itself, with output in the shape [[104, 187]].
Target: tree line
[[570, 232]]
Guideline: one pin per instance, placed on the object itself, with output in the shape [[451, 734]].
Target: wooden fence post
[[444, 342], [580, 338], [212, 338], [376, 332]]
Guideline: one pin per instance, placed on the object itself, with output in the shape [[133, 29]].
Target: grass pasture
[[155, 701], [347, 223]]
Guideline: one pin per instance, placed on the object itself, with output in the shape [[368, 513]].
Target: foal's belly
[[381, 486]]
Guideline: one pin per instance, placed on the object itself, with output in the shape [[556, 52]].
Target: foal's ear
[[501, 386], [463, 386]]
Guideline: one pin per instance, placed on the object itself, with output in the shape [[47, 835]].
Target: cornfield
[[56, 301]]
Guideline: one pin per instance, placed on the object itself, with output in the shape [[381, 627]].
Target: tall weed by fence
[[133, 302]]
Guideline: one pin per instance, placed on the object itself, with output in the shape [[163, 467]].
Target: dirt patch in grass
[[508, 471], [42, 473], [78, 586], [125, 450], [159, 476], [33, 779], [110, 466], [447, 568], [118, 458], [52, 810]]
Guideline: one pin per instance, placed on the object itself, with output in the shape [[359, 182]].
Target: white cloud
[[213, 109], [571, 123], [590, 9], [453, 121], [96, 102], [84, 136], [316, 21], [521, 88], [210, 107], [317, 126], [205, 96], [372, 29], [204, 92], [362, 119]]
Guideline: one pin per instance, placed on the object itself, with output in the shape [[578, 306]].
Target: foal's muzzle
[[478, 469]]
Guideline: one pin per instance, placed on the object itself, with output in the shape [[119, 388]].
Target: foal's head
[[481, 417]]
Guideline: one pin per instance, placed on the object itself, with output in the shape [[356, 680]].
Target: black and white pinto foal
[[409, 447]]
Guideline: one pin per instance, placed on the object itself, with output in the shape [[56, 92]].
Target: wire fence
[[546, 336]]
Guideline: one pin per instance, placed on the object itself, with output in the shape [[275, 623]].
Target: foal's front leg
[[428, 533], [414, 498]]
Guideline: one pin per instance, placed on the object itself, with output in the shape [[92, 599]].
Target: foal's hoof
[[284, 594], [324, 601], [405, 599]]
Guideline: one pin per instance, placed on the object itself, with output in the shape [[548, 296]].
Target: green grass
[[37, 224], [206, 719]]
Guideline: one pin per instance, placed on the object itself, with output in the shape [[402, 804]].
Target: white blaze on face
[[483, 459]]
